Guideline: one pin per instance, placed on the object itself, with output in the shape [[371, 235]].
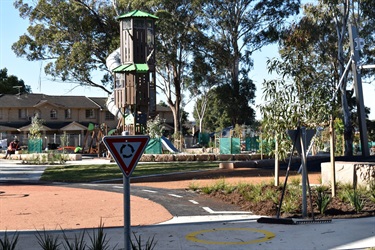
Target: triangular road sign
[[126, 150]]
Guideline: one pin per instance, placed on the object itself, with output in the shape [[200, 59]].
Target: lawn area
[[89, 173]]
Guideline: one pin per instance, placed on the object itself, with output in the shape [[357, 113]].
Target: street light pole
[[355, 47]]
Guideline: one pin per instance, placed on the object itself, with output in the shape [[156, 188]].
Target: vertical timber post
[[277, 166]]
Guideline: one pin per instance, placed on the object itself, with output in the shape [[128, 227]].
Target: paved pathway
[[206, 232]]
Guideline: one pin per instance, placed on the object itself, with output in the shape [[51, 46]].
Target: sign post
[[126, 151]]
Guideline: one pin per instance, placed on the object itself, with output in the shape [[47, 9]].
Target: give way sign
[[126, 150]]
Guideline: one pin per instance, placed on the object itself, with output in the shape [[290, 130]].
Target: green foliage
[[235, 32], [296, 181], [50, 159], [155, 128], [372, 190], [36, 127], [99, 239], [216, 115], [11, 85], [313, 57], [47, 241], [194, 186], [64, 140], [55, 22], [8, 243], [355, 200], [78, 243], [220, 185], [289, 205], [149, 245], [323, 199]]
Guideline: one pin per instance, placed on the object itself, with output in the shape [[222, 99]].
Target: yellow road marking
[[267, 236]]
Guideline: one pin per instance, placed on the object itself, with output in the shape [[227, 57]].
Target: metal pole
[[332, 155], [304, 171], [126, 213], [355, 48]]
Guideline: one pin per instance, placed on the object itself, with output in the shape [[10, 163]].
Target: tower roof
[[136, 13]]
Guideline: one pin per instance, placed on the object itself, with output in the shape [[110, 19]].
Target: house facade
[[80, 118]]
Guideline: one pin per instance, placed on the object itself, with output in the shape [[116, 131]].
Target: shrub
[[355, 200], [323, 199], [9, 243], [150, 243], [47, 241]]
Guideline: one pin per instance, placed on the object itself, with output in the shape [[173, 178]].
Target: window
[[109, 116], [90, 113], [139, 23], [53, 114], [68, 113], [22, 114]]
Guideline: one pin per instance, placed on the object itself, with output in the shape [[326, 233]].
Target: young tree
[[314, 53]]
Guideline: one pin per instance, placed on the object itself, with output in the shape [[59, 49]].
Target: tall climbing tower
[[135, 78]]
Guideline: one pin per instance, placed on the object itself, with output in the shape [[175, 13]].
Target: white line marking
[[194, 202], [175, 195], [118, 187], [224, 212], [91, 185], [150, 191]]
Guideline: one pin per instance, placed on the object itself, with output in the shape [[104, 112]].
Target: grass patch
[[89, 173]]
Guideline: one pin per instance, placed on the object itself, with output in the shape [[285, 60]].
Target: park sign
[[126, 150]]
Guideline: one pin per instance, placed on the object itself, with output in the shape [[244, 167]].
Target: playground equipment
[[168, 145], [92, 143], [133, 67]]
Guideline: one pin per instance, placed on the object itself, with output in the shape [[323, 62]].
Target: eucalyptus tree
[[236, 29], [73, 37], [215, 114], [314, 52], [178, 28]]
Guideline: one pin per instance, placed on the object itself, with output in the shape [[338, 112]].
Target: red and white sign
[[126, 150]]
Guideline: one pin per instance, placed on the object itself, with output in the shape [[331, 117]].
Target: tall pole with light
[[356, 44]]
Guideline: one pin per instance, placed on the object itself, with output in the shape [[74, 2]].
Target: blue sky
[[12, 26]]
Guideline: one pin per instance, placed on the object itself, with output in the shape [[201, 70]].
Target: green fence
[[204, 139], [35, 146], [252, 143], [154, 146], [230, 146]]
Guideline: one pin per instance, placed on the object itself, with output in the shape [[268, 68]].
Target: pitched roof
[[137, 13], [35, 100], [101, 102]]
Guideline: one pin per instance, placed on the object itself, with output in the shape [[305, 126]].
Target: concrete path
[[235, 232], [211, 232]]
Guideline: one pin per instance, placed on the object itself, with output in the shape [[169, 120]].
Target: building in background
[[79, 117]]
